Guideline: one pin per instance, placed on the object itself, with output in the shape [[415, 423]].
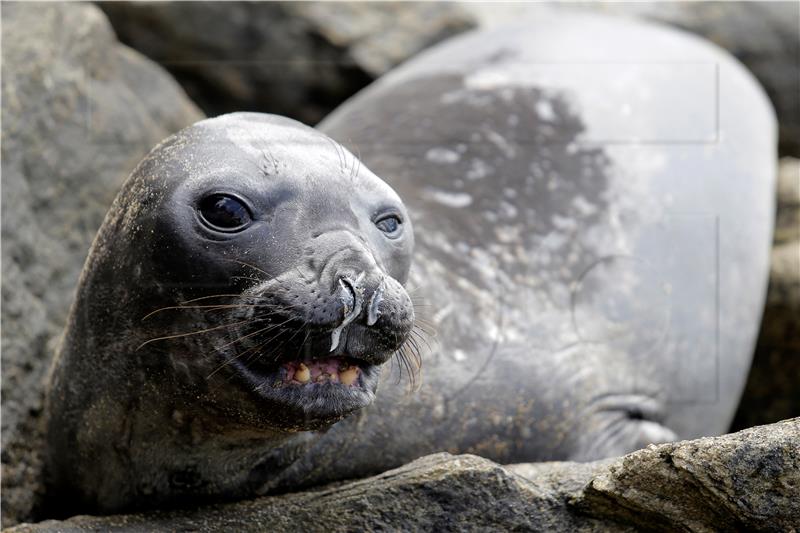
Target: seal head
[[312, 245], [246, 285]]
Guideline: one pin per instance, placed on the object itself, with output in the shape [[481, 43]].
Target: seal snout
[[375, 315], [352, 295]]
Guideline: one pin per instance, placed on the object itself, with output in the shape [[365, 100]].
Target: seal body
[[244, 289], [593, 205]]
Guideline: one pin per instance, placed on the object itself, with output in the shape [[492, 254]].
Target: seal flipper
[[624, 423]]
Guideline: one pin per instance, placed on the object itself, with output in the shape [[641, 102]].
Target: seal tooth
[[349, 376], [302, 374]]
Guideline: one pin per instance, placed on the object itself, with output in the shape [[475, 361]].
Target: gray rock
[[747, 481], [765, 36], [299, 59], [743, 481], [79, 110], [773, 387], [787, 227]]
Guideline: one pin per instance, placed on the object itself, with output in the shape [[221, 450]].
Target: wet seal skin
[[244, 291]]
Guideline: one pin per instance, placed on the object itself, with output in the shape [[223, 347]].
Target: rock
[[79, 110], [299, 59], [744, 481], [765, 36], [787, 225], [773, 387], [738, 482]]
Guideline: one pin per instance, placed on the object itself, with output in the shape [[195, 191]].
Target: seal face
[[315, 249], [247, 284]]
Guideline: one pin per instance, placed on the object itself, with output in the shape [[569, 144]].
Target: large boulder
[[299, 59], [741, 482], [79, 111], [773, 388], [765, 36]]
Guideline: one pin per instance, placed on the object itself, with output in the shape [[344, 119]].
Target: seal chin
[[313, 391]]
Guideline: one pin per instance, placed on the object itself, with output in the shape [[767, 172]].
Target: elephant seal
[[593, 207], [244, 288], [592, 203]]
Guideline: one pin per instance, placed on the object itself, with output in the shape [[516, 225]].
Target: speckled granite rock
[[79, 110], [743, 481], [299, 59]]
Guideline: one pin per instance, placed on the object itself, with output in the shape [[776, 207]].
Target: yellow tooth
[[349, 376], [302, 374]]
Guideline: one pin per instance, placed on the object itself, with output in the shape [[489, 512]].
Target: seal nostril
[[346, 295], [350, 293]]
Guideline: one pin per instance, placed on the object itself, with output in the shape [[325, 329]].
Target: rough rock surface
[[79, 110], [299, 59], [773, 388], [743, 481]]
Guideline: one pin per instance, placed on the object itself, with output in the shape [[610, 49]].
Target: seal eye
[[224, 213], [391, 225]]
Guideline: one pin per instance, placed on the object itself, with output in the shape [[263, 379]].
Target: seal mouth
[[312, 372], [313, 391]]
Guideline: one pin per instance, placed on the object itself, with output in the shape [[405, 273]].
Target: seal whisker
[[264, 329], [249, 278], [423, 320], [269, 158], [227, 362], [283, 343], [270, 277], [356, 168], [235, 357], [236, 295], [423, 339], [269, 339], [254, 348], [209, 307], [192, 333], [339, 155], [415, 351], [405, 361]]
